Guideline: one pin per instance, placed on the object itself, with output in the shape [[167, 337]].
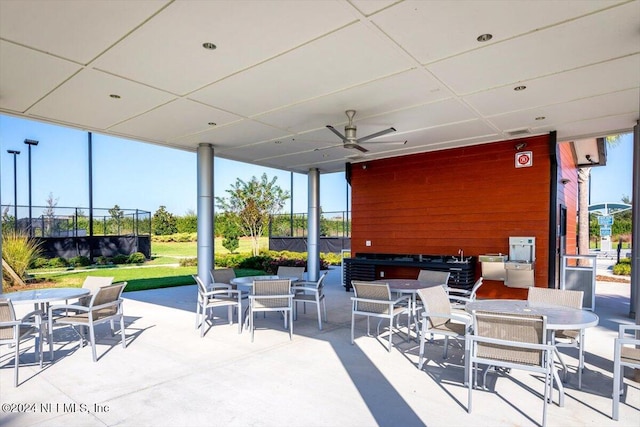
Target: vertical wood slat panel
[[470, 198]]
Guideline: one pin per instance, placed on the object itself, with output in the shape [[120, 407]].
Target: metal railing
[[332, 224], [74, 221]]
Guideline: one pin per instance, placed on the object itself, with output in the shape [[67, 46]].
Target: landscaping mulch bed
[[601, 278]]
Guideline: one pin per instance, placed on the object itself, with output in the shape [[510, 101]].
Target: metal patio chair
[[271, 295], [626, 353], [460, 297], [13, 331], [439, 319], [310, 292], [511, 341], [105, 306], [373, 299], [562, 338], [217, 295]]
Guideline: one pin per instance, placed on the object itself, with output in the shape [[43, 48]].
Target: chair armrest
[[74, 307], [379, 301], [459, 298], [467, 320], [462, 317], [289, 296], [509, 343], [305, 283], [305, 288], [215, 286], [34, 313], [461, 292], [402, 299], [626, 341], [224, 291], [626, 329], [10, 323]]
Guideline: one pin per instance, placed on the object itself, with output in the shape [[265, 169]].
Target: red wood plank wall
[[470, 198]]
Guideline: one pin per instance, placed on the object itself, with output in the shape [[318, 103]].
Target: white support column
[[205, 212], [634, 312], [313, 226]]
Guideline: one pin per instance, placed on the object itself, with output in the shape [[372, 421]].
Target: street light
[[15, 189], [29, 143]]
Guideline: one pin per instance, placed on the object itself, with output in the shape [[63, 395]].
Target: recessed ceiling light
[[540, 118], [209, 46], [211, 123], [518, 88], [114, 96], [484, 37]]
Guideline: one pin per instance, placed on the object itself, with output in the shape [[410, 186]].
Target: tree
[[117, 214], [254, 202], [49, 214], [163, 222], [187, 223]]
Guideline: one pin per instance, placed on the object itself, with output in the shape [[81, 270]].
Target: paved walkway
[[169, 376]]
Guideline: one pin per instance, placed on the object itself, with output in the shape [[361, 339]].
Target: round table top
[[248, 280], [408, 285], [557, 317], [45, 295]]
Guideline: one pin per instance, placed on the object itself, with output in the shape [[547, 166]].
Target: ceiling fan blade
[[386, 142], [357, 147], [332, 129], [375, 135]]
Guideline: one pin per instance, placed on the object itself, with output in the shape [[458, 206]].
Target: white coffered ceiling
[[283, 70]]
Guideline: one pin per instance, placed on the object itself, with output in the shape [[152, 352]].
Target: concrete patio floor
[[169, 376]]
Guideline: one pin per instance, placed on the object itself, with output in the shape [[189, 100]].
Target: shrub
[[19, 251], [39, 263], [80, 261], [187, 223], [258, 262], [102, 260], [120, 259], [330, 259], [229, 260], [57, 262], [623, 268], [231, 243], [136, 258], [188, 262], [176, 237]]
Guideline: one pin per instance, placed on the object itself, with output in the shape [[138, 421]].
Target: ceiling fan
[[350, 141]]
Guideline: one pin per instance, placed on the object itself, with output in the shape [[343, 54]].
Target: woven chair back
[[93, 283], [271, 287], [223, 275], [518, 328], [106, 295], [297, 272], [6, 315], [557, 297], [435, 300], [434, 277], [373, 291]]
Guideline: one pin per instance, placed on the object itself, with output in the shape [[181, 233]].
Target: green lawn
[[171, 252], [154, 274]]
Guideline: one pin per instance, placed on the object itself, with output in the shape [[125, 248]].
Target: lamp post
[[29, 143], [15, 189]]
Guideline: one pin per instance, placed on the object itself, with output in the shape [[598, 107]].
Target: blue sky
[[133, 175], [137, 175]]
